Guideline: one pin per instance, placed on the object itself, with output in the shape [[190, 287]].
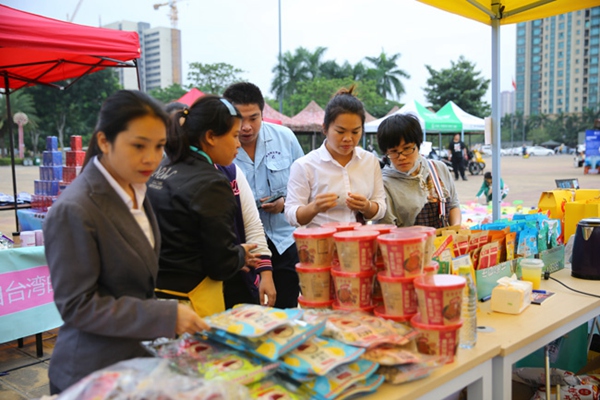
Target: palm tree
[[387, 74], [289, 73], [312, 60]]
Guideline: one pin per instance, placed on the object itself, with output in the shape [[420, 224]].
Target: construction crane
[[172, 11]]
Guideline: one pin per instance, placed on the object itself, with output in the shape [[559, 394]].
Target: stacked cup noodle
[[340, 227], [315, 252], [382, 229], [353, 278], [403, 253]]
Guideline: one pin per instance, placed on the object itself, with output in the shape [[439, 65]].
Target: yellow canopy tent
[[496, 13]]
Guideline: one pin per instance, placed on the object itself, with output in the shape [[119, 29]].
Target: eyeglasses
[[395, 154]]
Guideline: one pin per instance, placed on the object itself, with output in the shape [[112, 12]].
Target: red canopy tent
[[310, 119], [190, 97], [274, 116], [40, 50]]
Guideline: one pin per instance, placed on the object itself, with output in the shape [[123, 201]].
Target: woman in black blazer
[[102, 246]]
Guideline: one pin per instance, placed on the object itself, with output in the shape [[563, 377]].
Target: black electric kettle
[[586, 250]]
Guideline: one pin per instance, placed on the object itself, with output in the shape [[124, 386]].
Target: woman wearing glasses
[[419, 191], [338, 182]]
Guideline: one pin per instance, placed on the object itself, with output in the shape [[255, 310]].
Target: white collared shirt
[[317, 172], [139, 190]]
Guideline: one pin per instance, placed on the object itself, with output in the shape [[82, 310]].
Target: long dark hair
[[189, 126], [343, 102], [117, 111]]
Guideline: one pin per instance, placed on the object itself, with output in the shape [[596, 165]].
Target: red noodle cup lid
[[416, 322], [383, 277], [381, 228], [440, 281], [402, 237], [314, 304], [344, 274], [431, 267], [308, 268], [380, 312], [337, 306], [380, 266], [313, 233], [427, 230], [341, 226], [355, 236]]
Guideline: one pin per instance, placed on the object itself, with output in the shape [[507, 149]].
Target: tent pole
[[496, 195], [12, 148]]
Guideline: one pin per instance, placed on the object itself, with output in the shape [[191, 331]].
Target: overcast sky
[[244, 33]]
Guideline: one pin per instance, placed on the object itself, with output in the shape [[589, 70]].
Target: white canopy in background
[[470, 123]]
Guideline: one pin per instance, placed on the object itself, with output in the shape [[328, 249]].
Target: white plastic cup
[[531, 271]]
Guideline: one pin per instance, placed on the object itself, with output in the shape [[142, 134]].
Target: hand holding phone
[[271, 199]]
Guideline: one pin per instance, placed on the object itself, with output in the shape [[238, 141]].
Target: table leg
[[502, 378], [39, 345], [20, 343]]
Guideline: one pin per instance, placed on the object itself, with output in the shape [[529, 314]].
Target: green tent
[[430, 121], [470, 123]]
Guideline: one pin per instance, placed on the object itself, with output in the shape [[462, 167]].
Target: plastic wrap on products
[[577, 392], [252, 320], [362, 387], [319, 355], [391, 354], [411, 372], [273, 344], [361, 329], [280, 386], [342, 377], [195, 356], [149, 378], [511, 296], [537, 377]]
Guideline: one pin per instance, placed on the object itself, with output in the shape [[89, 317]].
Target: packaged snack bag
[[391, 354], [410, 372], [342, 377], [281, 388], [273, 344], [320, 355], [362, 387], [252, 320]]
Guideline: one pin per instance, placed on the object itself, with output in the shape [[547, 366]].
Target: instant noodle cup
[[353, 290], [403, 252], [380, 312], [430, 238], [431, 268], [339, 227], [315, 246], [315, 283], [355, 250], [439, 298], [382, 229], [399, 296], [314, 304], [438, 340], [337, 306]]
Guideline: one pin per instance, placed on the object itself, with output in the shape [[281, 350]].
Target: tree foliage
[[459, 83], [19, 102], [213, 78], [73, 111], [387, 75], [169, 94]]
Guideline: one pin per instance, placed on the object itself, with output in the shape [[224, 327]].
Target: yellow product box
[[511, 296], [578, 210], [554, 201]]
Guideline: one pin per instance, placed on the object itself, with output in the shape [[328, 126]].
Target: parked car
[[539, 151], [486, 149], [511, 151]]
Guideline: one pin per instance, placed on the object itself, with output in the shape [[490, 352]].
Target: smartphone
[[269, 200]]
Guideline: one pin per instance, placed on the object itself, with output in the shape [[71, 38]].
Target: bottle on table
[[468, 331]]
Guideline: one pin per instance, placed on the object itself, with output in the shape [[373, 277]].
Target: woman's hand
[[188, 321], [359, 203], [322, 203], [267, 287]]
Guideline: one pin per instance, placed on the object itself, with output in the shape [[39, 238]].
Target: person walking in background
[[196, 207], [419, 191], [458, 156], [267, 153], [102, 247], [485, 192], [339, 181]]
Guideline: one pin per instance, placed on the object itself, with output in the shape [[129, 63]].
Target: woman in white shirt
[[338, 182]]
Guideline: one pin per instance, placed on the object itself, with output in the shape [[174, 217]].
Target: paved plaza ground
[[526, 178]]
